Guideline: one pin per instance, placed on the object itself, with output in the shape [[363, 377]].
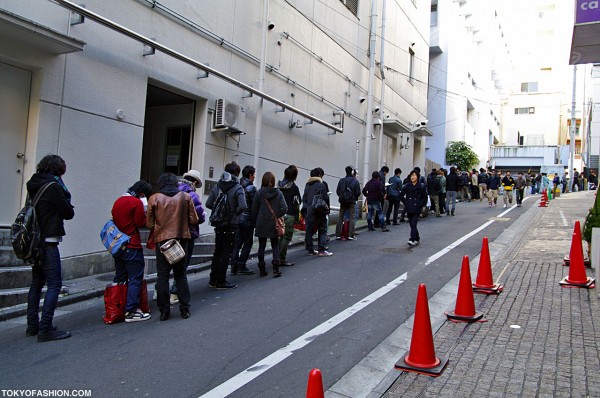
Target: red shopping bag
[[345, 230], [144, 297], [301, 224], [115, 299]]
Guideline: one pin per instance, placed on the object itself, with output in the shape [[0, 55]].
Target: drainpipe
[[573, 127], [261, 81], [369, 128], [381, 70]]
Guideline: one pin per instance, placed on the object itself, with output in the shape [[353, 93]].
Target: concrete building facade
[[118, 110]]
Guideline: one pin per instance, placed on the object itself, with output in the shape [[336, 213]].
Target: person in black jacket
[[414, 197], [315, 218], [375, 194], [269, 205], [393, 197], [291, 193], [348, 191], [52, 209], [224, 236], [244, 236], [451, 189], [433, 189]]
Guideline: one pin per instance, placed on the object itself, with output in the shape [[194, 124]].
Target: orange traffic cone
[[544, 201], [484, 283], [577, 240], [421, 356], [577, 276], [314, 389], [464, 311]]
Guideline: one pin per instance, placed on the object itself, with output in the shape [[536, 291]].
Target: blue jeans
[[450, 198], [129, 267], [375, 210], [46, 271]]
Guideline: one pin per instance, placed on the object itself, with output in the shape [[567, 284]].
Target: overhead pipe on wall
[[166, 50]]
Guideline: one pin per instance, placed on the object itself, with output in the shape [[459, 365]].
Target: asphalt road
[[238, 340]]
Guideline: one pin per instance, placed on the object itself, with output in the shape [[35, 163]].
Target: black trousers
[[224, 239]]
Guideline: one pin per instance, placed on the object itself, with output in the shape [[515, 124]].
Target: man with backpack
[[433, 189], [315, 207], [53, 207], [244, 237], [348, 191], [227, 201], [393, 196]]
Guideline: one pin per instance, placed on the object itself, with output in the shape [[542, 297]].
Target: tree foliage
[[461, 155]]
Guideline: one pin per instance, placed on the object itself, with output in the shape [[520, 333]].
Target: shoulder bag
[[279, 222], [172, 249]]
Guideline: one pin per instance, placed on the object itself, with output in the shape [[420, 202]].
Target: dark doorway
[[168, 133]]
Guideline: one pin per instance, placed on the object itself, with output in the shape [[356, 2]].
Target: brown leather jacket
[[171, 216]]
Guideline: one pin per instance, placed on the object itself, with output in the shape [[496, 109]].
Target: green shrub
[[592, 220]]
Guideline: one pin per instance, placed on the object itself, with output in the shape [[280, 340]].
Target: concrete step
[[15, 277], [8, 258], [10, 297]]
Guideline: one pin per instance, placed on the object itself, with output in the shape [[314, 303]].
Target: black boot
[[262, 269], [276, 272]]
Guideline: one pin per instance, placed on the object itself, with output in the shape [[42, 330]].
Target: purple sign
[[587, 11]]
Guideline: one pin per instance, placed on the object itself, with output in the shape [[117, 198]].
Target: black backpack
[[25, 232], [221, 213], [347, 197], [433, 185]]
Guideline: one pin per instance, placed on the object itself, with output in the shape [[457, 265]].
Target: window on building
[[434, 13], [529, 87], [411, 64], [352, 5], [525, 111]]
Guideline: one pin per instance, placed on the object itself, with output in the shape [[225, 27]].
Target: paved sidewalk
[[540, 340]]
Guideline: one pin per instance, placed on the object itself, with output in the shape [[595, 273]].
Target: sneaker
[[245, 271], [226, 286], [174, 299], [325, 253], [371, 229], [338, 238], [352, 238], [137, 316], [504, 206], [312, 252], [385, 229], [411, 243], [212, 284]]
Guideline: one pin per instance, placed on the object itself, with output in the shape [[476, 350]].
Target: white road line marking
[[251, 373], [267, 363], [564, 219]]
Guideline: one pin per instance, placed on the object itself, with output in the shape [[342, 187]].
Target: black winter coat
[[54, 206], [414, 197], [314, 186], [249, 190], [291, 193], [452, 182], [261, 214]]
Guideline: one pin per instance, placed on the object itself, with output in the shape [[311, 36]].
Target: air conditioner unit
[[229, 115]]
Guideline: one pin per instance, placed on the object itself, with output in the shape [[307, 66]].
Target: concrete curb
[[375, 374]]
